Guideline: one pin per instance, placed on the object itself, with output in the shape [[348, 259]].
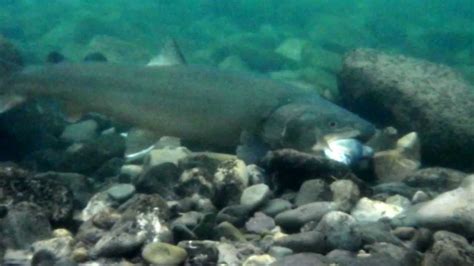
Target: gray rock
[[260, 223], [449, 249], [228, 254], [234, 214], [399, 201], [312, 241], [395, 164], [413, 95], [230, 179], [255, 196], [161, 179], [338, 229], [451, 210], [121, 192], [275, 206], [81, 131], [302, 259], [24, 224], [420, 196], [79, 185], [98, 203], [399, 253], [296, 218], [436, 179], [166, 155], [61, 247], [279, 252], [375, 232], [164, 254], [394, 188], [196, 181], [346, 193], [227, 230], [368, 210], [311, 191], [259, 260], [201, 252]]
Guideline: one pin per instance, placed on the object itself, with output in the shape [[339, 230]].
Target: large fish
[[195, 103]]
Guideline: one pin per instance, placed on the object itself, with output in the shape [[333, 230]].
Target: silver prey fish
[[201, 104]]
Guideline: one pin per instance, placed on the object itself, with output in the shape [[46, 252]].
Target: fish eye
[[332, 124]]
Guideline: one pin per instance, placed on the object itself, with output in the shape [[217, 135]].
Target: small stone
[[404, 233], [296, 218], [419, 197], [227, 230], [338, 229], [449, 249], [399, 201], [164, 254], [230, 179], [312, 241], [368, 210], [255, 195], [275, 206], [346, 193], [61, 232], [279, 252], [81, 131], [79, 255], [311, 191], [130, 172], [121, 192], [259, 260], [292, 48], [200, 252], [260, 223], [166, 155]]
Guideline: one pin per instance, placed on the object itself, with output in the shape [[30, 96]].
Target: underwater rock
[[196, 181], [396, 164], [374, 232], [435, 179], [413, 95], [449, 249], [259, 260], [312, 190], [18, 185], [368, 210], [98, 203], [292, 48], [121, 192], [401, 254], [231, 178], [88, 157], [260, 223], [164, 254], [290, 168], [255, 196], [31, 127], [228, 231], [233, 63], [275, 206], [25, 224], [61, 247], [294, 219], [451, 210], [346, 193], [338, 229], [79, 185], [201, 252], [303, 259], [81, 131], [312, 241]]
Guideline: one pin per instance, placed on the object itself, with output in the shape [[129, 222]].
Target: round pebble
[[121, 192], [158, 253]]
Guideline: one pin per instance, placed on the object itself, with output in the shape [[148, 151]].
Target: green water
[[246, 34]]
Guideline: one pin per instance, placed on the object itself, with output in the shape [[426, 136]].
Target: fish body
[[195, 103]]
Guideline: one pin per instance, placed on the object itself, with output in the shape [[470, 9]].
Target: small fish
[[199, 104], [347, 151]]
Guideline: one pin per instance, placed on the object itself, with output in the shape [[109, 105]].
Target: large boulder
[[413, 95]]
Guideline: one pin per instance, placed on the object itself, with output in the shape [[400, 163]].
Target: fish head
[[306, 126]]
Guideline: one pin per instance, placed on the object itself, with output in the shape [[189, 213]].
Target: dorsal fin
[[170, 55]]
